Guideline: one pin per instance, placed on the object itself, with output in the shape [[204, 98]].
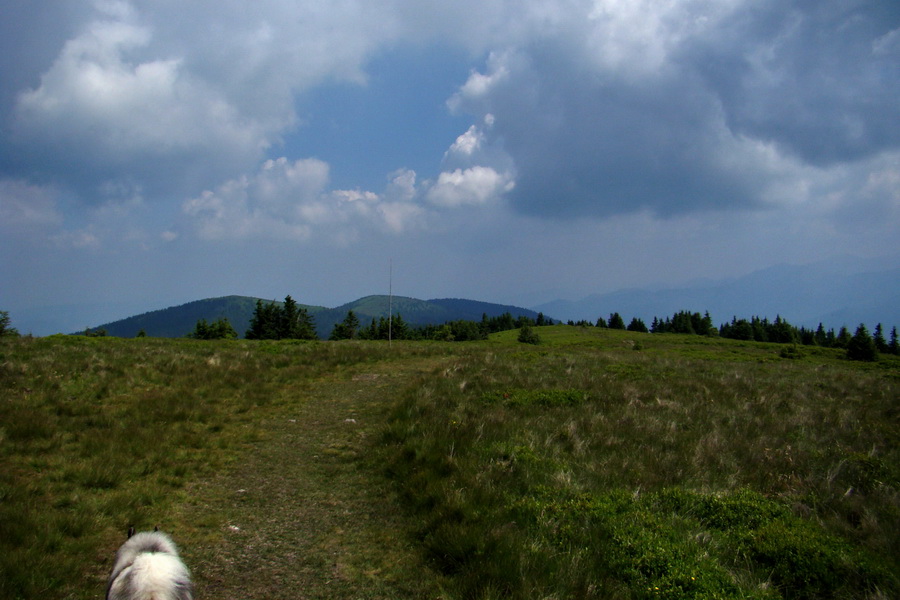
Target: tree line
[[452, 331], [288, 320], [860, 345]]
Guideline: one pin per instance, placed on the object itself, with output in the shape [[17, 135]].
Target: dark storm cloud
[[820, 79], [699, 110], [31, 35]]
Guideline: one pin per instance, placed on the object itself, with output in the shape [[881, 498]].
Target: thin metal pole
[[391, 303]]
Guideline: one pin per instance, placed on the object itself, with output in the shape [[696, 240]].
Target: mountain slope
[[178, 321], [473, 310]]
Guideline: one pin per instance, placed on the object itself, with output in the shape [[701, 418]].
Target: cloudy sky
[[516, 151]]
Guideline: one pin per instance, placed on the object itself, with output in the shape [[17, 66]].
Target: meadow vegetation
[[605, 464], [596, 464], [97, 433]]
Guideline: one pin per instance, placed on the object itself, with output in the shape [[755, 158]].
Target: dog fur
[[147, 567]]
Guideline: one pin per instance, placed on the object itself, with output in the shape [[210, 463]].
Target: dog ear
[[156, 528], [130, 530]]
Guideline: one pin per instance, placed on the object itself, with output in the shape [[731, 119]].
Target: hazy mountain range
[[835, 293], [845, 291]]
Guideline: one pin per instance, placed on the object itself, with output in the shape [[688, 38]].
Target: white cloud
[[467, 143], [587, 109], [81, 239], [280, 201], [473, 186], [103, 104], [401, 186], [291, 200], [479, 86], [26, 208]]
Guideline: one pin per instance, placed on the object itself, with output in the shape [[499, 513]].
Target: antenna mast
[[391, 302]]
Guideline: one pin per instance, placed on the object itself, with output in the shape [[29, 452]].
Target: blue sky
[[154, 153]]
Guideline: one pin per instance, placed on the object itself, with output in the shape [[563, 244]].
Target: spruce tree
[[295, 322], [6, 329], [264, 322], [861, 346], [616, 321], [288, 319], [880, 343], [399, 328], [347, 329], [219, 330], [843, 338], [820, 336], [637, 325]]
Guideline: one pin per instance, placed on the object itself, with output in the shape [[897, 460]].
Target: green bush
[[527, 335]]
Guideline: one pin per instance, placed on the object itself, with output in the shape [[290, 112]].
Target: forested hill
[[472, 310], [178, 321]]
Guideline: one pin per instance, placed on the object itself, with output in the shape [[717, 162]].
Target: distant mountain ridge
[[178, 321], [834, 294]]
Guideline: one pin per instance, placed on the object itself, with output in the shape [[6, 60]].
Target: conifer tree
[[221, 329], [399, 328], [843, 338], [273, 322], [263, 325], [878, 337], [894, 347], [6, 329], [616, 321], [637, 325], [820, 336], [861, 346], [347, 329], [295, 322]]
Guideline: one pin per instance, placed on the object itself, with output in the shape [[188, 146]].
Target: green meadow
[[596, 464]]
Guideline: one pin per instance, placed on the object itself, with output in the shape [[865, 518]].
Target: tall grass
[[586, 469], [98, 433]]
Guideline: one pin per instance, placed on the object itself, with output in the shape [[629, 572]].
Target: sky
[[513, 151]]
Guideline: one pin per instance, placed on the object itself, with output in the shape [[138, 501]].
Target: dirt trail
[[304, 517]]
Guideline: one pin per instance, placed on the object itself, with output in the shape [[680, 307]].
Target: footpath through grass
[[307, 513], [254, 456]]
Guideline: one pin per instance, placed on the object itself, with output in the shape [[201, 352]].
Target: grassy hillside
[[598, 464], [605, 464]]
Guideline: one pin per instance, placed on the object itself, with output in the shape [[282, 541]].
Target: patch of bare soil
[[307, 514]]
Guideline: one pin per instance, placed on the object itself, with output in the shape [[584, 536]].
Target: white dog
[[147, 567]]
